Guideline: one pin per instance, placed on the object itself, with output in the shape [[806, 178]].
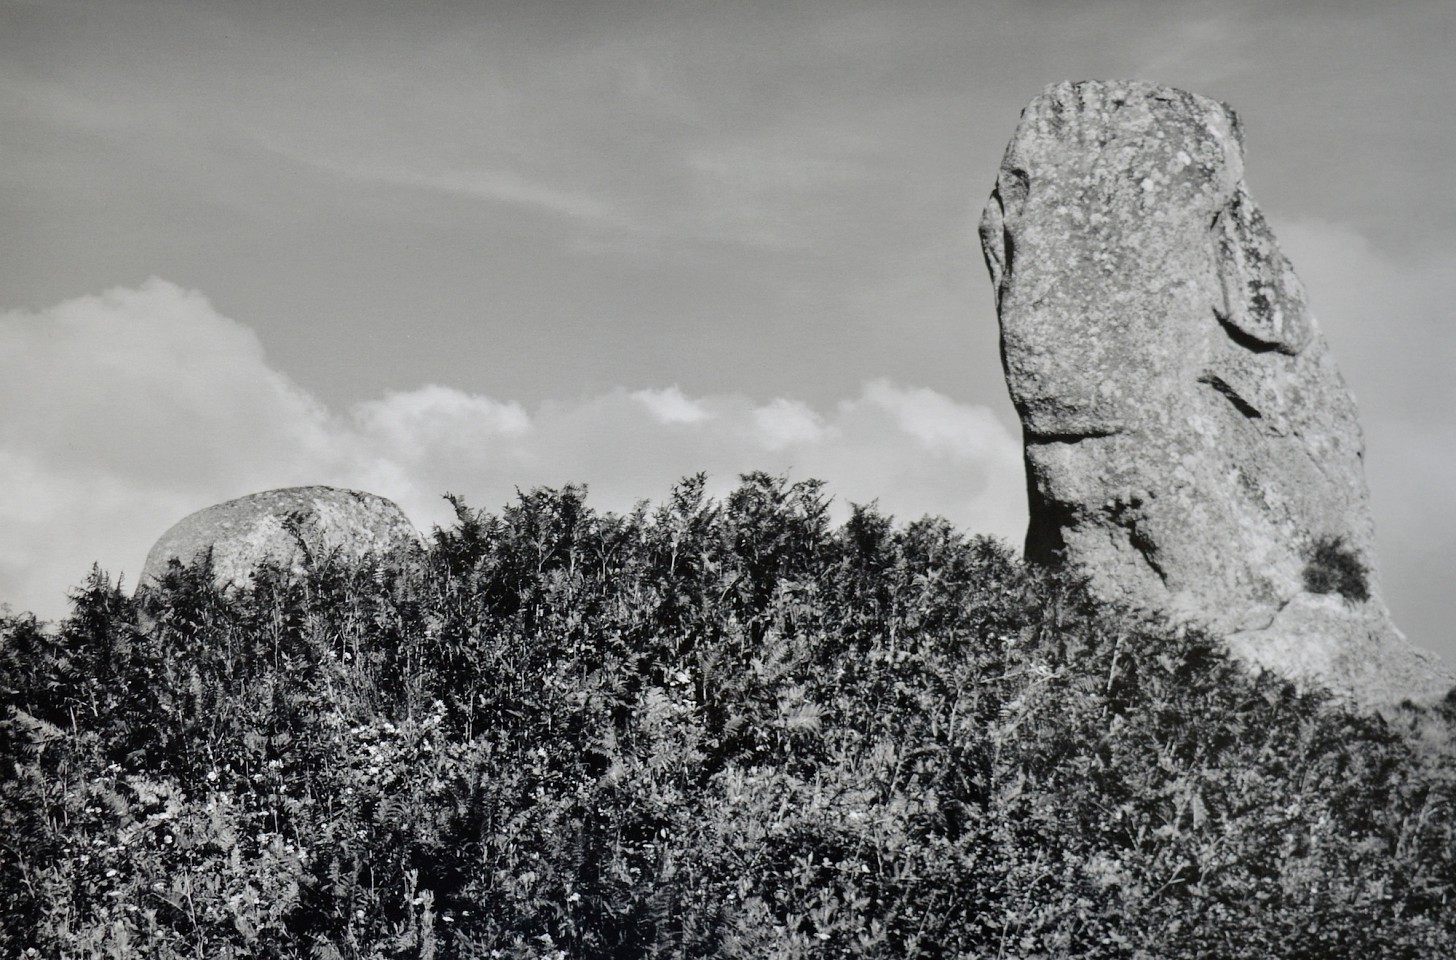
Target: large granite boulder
[[1190, 444], [286, 527]]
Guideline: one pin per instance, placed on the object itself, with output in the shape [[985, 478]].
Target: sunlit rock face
[[1190, 444], [285, 527]]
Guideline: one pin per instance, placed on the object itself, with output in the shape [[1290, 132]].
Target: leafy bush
[[1335, 568], [713, 729]]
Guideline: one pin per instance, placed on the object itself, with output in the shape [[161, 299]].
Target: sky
[[475, 247]]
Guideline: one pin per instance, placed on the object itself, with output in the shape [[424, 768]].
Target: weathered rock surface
[[283, 527], [1189, 440]]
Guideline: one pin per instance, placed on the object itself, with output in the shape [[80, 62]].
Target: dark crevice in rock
[[1249, 343], [1012, 190], [1240, 404], [1044, 541], [1008, 257], [1039, 438]]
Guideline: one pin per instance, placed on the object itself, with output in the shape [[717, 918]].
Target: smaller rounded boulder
[[285, 527]]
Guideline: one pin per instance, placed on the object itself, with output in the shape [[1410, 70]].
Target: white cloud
[[124, 409], [128, 410], [433, 418], [670, 406], [151, 384], [784, 423], [941, 426]]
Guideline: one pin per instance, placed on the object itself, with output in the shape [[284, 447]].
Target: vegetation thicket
[[710, 729]]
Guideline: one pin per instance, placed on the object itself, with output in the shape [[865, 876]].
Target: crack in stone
[[1249, 343], [1272, 620], [1047, 438], [1145, 549], [1232, 395]]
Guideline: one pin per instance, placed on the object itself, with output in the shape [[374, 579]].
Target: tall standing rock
[[1190, 444], [283, 527]]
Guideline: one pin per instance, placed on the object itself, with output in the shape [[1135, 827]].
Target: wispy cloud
[[481, 183], [499, 186], [54, 104]]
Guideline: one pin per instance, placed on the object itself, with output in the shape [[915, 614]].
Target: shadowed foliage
[[709, 729], [1334, 568]]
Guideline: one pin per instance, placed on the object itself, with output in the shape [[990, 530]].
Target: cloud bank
[[128, 410]]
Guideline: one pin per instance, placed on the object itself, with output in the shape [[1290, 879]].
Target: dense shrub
[[714, 729], [1333, 567]]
